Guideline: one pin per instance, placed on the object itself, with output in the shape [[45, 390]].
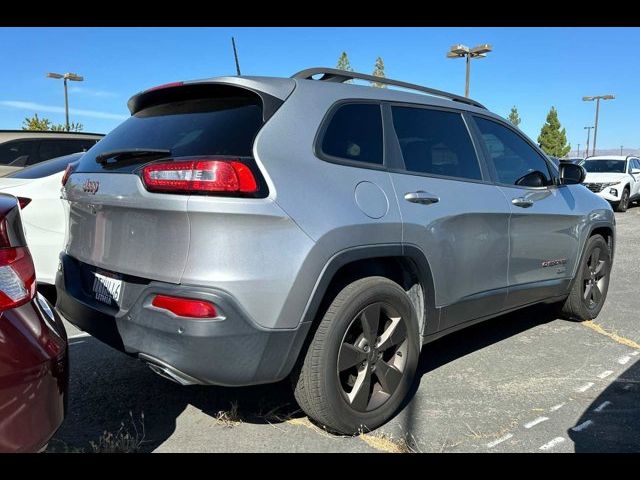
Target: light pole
[[586, 152], [578, 154], [66, 76], [620, 150], [597, 98], [458, 51]]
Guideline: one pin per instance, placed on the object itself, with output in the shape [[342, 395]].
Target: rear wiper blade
[[130, 153]]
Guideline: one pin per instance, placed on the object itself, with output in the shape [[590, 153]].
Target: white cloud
[[92, 92], [37, 107]]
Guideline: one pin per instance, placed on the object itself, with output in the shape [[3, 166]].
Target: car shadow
[[112, 394], [611, 423], [466, 341]]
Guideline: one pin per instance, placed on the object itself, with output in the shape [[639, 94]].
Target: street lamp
[[66, 76], [459, 51], [588, 129], [597, 98]]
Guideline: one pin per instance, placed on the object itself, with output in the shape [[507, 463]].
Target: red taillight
[[68, 171], [17, 277], [199, 176], [24, 201], [185, 307]]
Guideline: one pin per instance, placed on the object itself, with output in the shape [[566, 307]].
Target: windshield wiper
[[130, 154]]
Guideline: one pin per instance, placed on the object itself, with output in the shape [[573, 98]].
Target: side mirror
[[571, 174], [635, 171]]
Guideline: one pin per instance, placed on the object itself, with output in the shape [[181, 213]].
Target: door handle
[[522, 202], [421, 197]]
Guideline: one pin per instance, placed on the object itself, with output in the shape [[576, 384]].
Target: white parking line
[[585, 387], [499, 440], [623, 360], [535, 422], [605, 374], [552, 443], [557, 407], [602, 406], [582, 426], [79, 335]]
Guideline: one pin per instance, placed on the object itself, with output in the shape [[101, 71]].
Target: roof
[[610, 157]]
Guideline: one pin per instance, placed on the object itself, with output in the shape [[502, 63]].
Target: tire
[[623, 204], [589, 290], [358, 387]]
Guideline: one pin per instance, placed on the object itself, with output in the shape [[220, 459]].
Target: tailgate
[[125, 229]]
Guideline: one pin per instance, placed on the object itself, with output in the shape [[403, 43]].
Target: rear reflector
[[24, 201], [17, 277], [185, 307], [208, 176]]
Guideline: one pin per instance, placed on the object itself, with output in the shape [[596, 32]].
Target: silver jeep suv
[[239, 230]]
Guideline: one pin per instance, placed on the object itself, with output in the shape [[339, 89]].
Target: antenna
[[235, 55]]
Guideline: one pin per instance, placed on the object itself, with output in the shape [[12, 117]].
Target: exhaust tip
[[168, 372]]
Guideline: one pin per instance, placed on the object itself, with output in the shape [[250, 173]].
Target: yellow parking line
[[612, 335]]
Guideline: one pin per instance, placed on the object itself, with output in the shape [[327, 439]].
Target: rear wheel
[[623, 204], [591, 284], [362, 359]]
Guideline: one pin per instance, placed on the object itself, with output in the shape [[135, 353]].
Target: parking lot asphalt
[[523, 382]]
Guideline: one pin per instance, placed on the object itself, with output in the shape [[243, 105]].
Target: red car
[[34, 371]]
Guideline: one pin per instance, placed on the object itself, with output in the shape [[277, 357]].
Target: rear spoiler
[[178, 91]]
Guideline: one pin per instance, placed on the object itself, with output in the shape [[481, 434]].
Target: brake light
[[24, 201], [17, 277], [185, 307], [199, 176], [166, 85], [68, 171]]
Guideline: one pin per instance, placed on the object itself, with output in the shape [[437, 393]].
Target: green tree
[[553, 138], [514, 117], [344, 64], [37, 123], [378, 71]]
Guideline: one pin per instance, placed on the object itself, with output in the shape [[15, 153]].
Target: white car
[[38, 190], [615, 178]]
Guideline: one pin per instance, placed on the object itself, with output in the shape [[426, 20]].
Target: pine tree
[[514, 117], [553, 138], [343, 63], [378, 71]]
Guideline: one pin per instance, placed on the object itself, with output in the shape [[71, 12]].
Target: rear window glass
[[216, 126], [46, 168], [355, 133]]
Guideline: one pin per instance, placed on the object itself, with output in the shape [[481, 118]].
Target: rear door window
[[195, 127], [354, 133], [435, 142]]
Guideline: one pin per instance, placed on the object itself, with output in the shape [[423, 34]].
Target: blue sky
[[532, 68]]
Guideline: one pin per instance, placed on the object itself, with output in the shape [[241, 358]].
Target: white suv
[[615, 178]]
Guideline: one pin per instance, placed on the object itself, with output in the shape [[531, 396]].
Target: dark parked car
[[33, 346], [23, 148]]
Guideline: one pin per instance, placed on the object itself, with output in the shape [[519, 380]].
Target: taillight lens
[[185, 307], [24, 201], [68, 171], [193, 176], [17, 277]]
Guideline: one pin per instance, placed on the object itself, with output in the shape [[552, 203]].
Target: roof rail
[[341, 76]]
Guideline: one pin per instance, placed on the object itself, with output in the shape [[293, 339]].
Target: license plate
[[107, 287]]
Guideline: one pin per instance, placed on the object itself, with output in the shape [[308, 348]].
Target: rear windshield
[[46, 168], [216, 126]]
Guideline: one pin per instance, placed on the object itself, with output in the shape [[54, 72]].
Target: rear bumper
[[34, 376], [232, 350]]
